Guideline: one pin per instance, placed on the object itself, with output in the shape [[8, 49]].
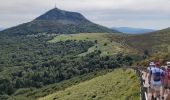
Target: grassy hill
[[30, 63], [119, 84], [153, 42], [101, 40], [61, 59], [35, 93]]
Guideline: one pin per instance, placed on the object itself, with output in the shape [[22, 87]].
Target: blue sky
[[153, 14]]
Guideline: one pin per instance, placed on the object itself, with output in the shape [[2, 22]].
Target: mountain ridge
[[59, 22]]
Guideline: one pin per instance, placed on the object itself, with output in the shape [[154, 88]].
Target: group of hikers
[[159, 80]]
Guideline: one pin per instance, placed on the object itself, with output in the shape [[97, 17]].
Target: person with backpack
[[151, 65], [167, 72], [155, 80]]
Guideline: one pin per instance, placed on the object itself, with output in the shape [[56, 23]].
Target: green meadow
[[101, 40]]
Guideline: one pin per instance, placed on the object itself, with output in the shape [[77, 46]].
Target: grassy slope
[[157, 41], [102, 38], [117, 85], [33, 93], [111, 47]]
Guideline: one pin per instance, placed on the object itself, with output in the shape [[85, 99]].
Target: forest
[[27, 62]]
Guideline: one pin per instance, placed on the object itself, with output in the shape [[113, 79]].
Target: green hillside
[[117, 85], [35, 93], [153, 46], [101, 40], [153, 42], [38, 65], [30, 63]]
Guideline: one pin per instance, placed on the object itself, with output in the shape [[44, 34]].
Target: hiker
[[155, 80], [151, 65], [168, 80], [164, 82]]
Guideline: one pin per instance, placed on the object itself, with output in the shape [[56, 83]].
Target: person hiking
[[167, 72], [151, 65], [155, 80], [164, 82]]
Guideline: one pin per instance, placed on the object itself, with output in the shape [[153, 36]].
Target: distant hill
[[130, 30], [59, 22], [153, 42]]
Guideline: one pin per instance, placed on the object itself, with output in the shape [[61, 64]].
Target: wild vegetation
[[155, 46], [34, 62], [115, 85], [101, 40], [153, 42], [38, 65], [35, 93]]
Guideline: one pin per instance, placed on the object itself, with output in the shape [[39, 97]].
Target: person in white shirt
[[154, 80], [151, 65]]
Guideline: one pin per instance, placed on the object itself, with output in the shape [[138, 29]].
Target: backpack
[[168, 73], [157, 75]]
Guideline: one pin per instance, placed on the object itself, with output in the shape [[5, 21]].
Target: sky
[[151, 14]]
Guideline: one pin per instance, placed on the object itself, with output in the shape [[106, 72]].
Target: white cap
[[152, 64], [168, 63]]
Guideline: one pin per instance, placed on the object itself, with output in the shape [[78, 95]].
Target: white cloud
[[106, 12]]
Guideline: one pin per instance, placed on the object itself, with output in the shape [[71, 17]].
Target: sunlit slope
[[117, 85], [101, 40]]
